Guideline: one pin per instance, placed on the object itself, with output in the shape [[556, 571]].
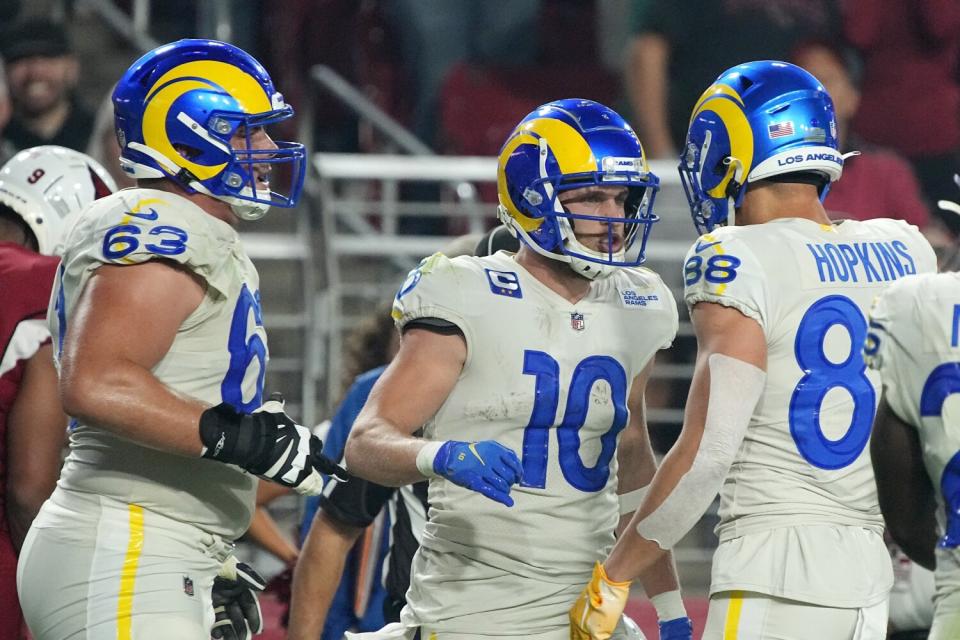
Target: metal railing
[[366, 255], [332, 82]]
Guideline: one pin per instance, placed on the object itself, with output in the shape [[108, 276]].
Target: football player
[[159, 340], [914, 343], [41, 192], [526, 372], [781, 403]]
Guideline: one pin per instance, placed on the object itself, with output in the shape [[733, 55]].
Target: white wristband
[[631, 500], [669, 606], [426, 456]]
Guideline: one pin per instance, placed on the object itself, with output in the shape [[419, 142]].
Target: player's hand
[[597, 611], [677, 629], [269, 444], [235, 606], [486, 467]]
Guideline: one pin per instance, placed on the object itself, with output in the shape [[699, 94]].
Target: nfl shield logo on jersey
[[576, 321], [188, 586]]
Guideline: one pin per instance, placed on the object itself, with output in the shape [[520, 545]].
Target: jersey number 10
[[536, 435]]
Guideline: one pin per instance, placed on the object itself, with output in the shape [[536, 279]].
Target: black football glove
[[269, 444], [235, 606]]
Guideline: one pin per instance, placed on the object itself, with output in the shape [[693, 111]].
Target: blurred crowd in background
[[460, 73]]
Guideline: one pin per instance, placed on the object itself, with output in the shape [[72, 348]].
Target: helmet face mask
[[707, 211], [757, 121], [573, 144], [621, 233], [48, 187], [181, 111]]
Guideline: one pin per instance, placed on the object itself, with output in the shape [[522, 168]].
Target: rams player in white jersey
[[914, 342], [781, 404], [161, 350], [527, 373]]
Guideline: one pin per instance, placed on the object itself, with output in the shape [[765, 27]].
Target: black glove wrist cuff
[[236, 438], [219, 432]]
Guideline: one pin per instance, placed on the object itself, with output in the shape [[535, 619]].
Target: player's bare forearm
[[265, 532], [903, 487], [661, 577], [633, 555], [919, 545], [379, 452], [637, 468], [129, 400], [407, 395], [635, 460], [317, 575], [722, 332], [124, 324], [36, 430]]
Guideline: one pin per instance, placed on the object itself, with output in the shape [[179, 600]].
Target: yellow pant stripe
[[129, 573], [732, 624]]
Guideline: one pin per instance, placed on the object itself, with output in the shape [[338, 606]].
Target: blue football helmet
[[757, 120], [177, 109], [569, 144]]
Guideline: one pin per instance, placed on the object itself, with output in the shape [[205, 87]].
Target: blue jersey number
[[720, 269], [546, 395], [61, 309], [821, 375], [122, 240], [943, 382], [243, 350]]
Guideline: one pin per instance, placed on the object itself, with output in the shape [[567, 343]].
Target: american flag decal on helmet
[[780, 129]]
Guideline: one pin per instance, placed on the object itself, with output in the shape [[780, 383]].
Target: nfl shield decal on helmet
[[576, 321]]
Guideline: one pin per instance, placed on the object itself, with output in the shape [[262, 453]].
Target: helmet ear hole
[[187, 152], [733, 189]]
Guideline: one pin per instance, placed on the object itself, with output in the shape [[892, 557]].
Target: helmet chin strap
[[242, 208], [248, 210], [732, 202], [585, 268]]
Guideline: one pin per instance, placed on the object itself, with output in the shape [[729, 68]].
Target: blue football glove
[[486, 467], [677, 629]]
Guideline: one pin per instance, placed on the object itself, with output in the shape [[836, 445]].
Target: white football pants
[[93, 568], [745, 615]]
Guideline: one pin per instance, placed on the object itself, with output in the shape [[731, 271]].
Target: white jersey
[[802, 478], [218, 355], [915, 345], [550, 380]]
